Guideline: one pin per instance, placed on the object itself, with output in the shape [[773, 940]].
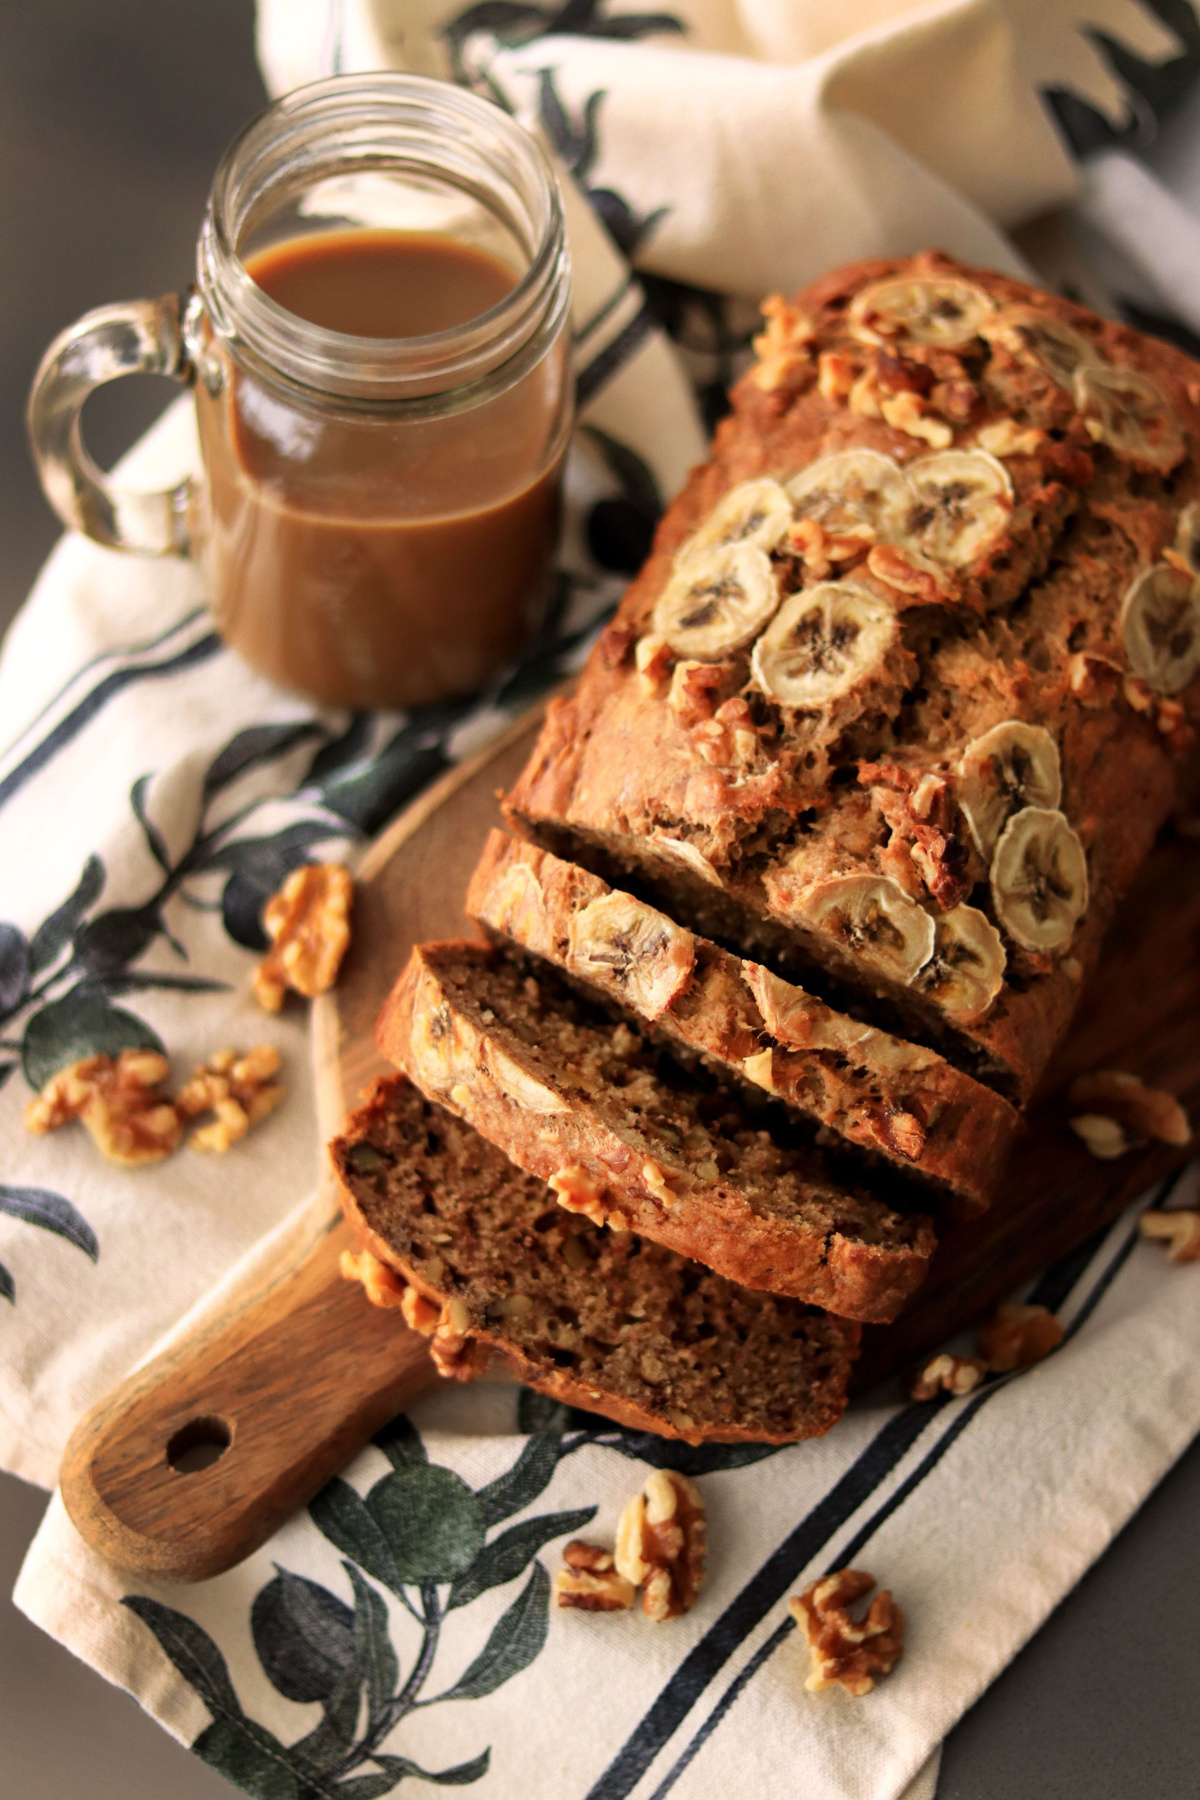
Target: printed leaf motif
[[399, 1766], [538, 1413], [407, 762], [114, 938], [340, 751], [505, 1558], [339, 1513], [517, 1638], [632, 472], [431, 1521], [38, 1206], [8, 1287], [401, 1443], [372, 1641], [155, 842], [6, 1069], [258, 868], [80, 1024], [133, 981], [363, 1787], [520, 1485], [304, 1636], [258, 744], [192, 1651], [59, 928], [15, 961], [249, 1756]]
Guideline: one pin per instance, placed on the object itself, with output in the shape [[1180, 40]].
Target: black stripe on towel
[[72, 723], [614, 355]]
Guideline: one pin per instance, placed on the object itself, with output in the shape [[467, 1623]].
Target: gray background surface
[[111, 121]]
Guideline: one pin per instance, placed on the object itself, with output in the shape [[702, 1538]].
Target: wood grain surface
[[305, 1369]]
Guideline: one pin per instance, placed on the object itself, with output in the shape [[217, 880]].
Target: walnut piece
[[653, 658], [845, 1651], [784, 349], [1114, 1110], [907, 412], [308, 923], [381, 1284], [590, 1582], [456, 1354], [946, 1374], [240, 1090], [120, 1102], [662, 1544], [1179, 1229], [1006, 438], [1018, 1337]]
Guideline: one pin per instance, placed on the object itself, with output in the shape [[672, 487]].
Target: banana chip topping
[[1124, 410], [823, 641], [961, 502], [1160, 624], [1039, 880], [1011, 766], [853, 492], [966, 970], [1034, 337], [755, 513], [939, 310], [872, 916], [718, 601], [634, 950]]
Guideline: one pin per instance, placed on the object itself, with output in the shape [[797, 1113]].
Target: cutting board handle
[[204, 1451]]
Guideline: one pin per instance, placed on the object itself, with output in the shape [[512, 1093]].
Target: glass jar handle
[[136, 337]]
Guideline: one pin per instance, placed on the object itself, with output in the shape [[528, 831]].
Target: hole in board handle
[[199, 1444]]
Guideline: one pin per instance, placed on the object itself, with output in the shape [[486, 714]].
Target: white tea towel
[[156, 791]]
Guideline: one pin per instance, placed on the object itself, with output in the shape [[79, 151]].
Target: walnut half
[[308, 923], [1018, 1337], [848, 1652], [662, 1544], [120, 1101], [239, 1090], [590, 1582]]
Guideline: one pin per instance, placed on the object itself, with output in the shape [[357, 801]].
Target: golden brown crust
[[887, 1097], [1029, 630], [772, 1219], [396, 1227]]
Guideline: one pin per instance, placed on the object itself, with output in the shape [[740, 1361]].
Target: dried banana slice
[[931, 309], [1039, 879], [634, 950], [756, 513], [872, 916], [1187, 536], [716, 602], [1123, 409], [796, 1019], [852, 491], [679, 850], [1050, 345], [961, 503], [1011, 766], [1160, 623], [823, 641], [966, 970]]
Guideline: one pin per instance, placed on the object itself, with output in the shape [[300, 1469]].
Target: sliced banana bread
[[630, 1138], [904, 690], [894, 1099], [600, 1319]]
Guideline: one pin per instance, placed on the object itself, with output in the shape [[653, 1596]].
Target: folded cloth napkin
[[156, 793]]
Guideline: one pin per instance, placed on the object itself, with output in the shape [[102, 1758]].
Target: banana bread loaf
[[901, 697], [599, 1319], [894, 1099], [631, 1139]]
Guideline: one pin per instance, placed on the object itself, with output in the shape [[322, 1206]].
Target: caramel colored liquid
[[372, 560]]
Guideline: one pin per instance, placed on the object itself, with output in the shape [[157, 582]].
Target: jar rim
[[364, 122]]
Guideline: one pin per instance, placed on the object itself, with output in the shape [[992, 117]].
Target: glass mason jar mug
[[379, 347]]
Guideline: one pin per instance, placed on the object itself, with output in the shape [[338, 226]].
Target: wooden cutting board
[[195, 1460]]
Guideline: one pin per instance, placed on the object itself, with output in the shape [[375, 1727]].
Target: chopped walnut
[[657, 1184], [1179, 1229], [1111, 1097], [835, 375], [694, 687], [907, 570], [1094, 680], [864, 396], [662, 1544], [945, 1374], [381, 1284], [1006, 438], [848, 1652], [784, 349], [120, 1102], [590, 1582], [308, 923], [1018, 1337], [456, 1354], [240, 1090], [652, 659], [577, 1192], [907, 412]]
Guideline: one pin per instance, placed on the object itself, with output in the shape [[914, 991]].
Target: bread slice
[[910, 679], [598, 1319], [634, 1140], [893, 1099]]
